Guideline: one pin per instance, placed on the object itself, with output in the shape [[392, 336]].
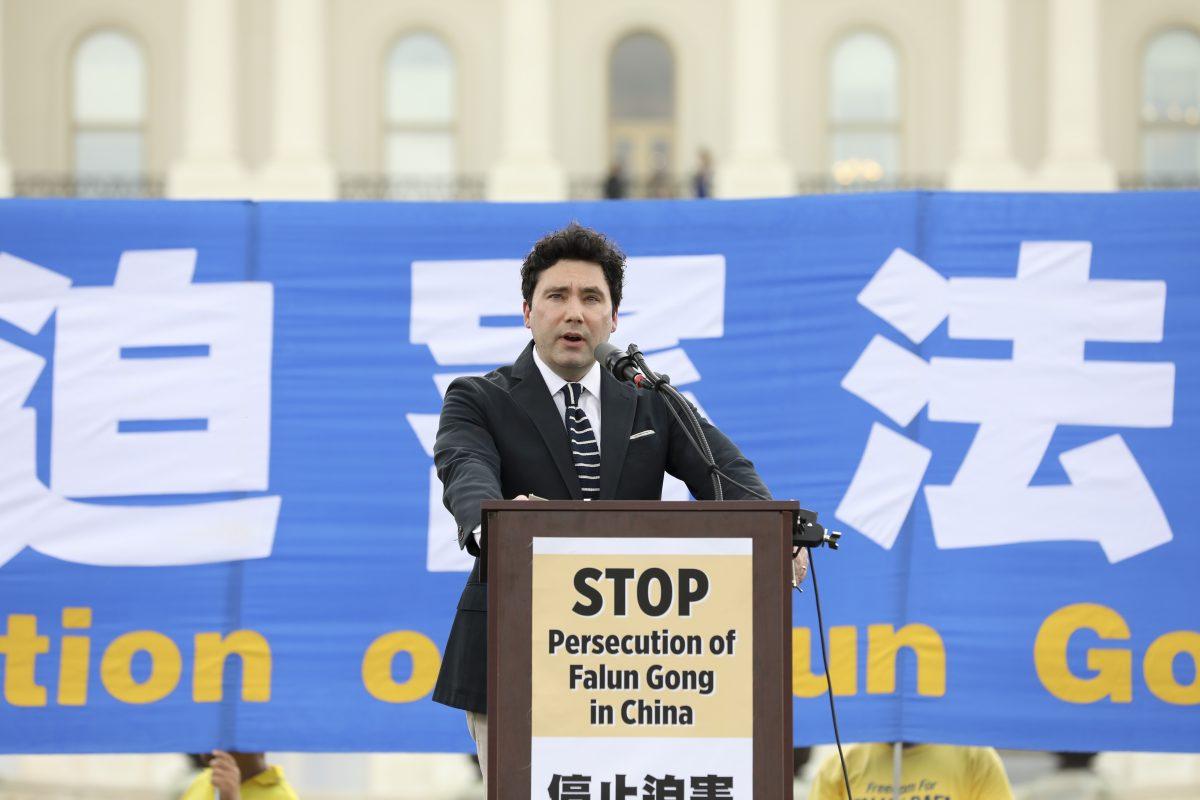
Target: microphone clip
[[810, 533], [641, 375]]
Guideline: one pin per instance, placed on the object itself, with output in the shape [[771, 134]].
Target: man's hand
[[226, 777], [799, 566]]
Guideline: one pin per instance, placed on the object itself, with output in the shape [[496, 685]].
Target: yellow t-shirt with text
[[927, 772], [267, 785]]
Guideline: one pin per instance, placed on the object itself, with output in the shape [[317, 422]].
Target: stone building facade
[[513, 99]]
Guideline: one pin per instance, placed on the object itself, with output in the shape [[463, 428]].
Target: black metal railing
[[822, 183], [1144, 181], [58, 184], [661, 187], [414, 187], [596, 188]]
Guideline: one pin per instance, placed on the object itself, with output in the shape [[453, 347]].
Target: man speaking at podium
[[555, 425]]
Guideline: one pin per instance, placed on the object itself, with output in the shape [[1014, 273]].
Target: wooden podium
[[639, 643]]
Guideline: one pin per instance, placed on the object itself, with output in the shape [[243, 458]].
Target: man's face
[[571, 312]]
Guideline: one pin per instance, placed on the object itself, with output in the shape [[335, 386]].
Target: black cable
[[661, 383], [684, 427], [812, 568], [672, 397], [837, 736], [708, 459], [672, 394], [741, 486], [682, 402]]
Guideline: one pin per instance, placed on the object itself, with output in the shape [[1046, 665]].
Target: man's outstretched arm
[[466, 458]]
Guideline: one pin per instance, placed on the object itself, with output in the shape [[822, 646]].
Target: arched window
[[420, 109], [864, 109], [1171, 106], [641, 91], [109, 107]]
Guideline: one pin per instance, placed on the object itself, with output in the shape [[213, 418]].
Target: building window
[[864, 110], [420, 105], [109, 108], [641, 90], [1171, 106]]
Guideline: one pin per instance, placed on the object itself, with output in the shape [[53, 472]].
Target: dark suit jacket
[[501, 435]]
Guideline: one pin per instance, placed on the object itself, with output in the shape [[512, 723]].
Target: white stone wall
[[696, 31], [924, 34], [1053, 107], [1125, 30], [39, 40], [361, 34]]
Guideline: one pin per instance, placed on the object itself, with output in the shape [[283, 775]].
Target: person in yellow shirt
[[927, 772], [240, 776]]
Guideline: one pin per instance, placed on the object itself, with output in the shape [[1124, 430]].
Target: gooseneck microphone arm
[[662, 383], [631, 366]]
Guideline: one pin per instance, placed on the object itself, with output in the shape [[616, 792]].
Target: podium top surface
[[640, 505]]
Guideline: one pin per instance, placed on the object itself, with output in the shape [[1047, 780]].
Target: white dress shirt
[[589, 400]]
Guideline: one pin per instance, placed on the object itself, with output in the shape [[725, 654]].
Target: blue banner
[[219, 523]]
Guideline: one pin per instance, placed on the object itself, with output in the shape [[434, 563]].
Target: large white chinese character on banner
[[1048, 312], [161, 387], [666, 299]]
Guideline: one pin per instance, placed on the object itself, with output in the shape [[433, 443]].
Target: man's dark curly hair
[[577, 243]]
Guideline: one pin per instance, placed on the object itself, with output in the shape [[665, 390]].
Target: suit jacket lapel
[[617, 404], [533, 397]]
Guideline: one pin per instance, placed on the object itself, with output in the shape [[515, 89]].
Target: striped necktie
[[585, 450]]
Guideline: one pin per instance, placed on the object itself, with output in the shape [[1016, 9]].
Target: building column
[[299, 167], [6, 179], [6, 183], [1074, 155], [756, 166], [527, 168], [209, 165], [985, 153]]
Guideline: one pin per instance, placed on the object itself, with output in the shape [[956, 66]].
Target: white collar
[[555, 382]]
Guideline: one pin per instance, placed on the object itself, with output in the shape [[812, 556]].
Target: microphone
[[620, 364]]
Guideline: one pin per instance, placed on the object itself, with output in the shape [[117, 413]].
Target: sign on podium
[[639, 649]]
